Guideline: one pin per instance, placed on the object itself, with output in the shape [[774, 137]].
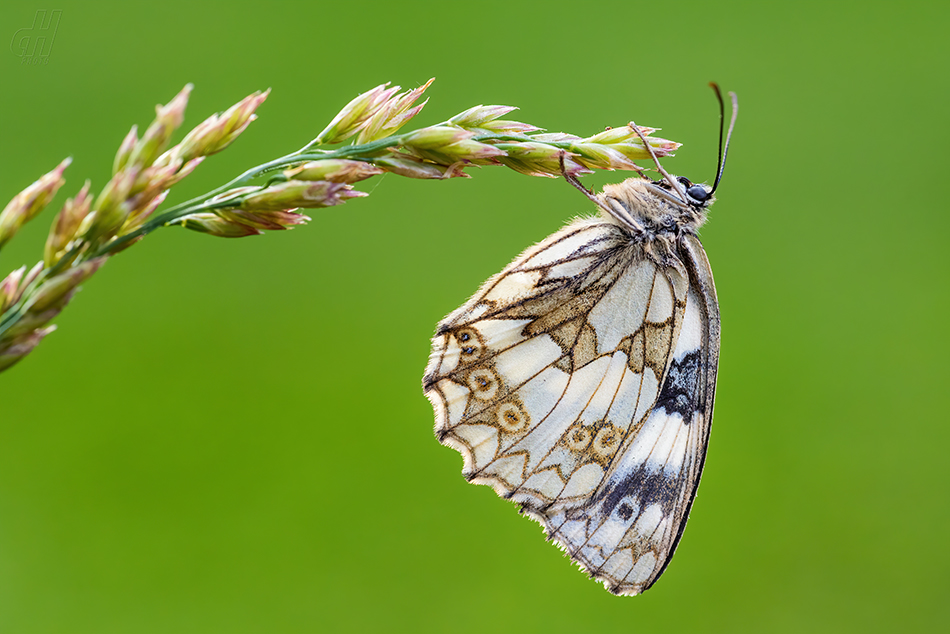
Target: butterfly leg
[[677, 187], [609, 205]]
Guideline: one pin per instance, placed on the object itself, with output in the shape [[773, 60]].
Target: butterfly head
[[686, 195], [662, 208], [678, 190], [672, 202]]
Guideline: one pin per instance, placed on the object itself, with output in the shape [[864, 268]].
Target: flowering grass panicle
[[89, 229]]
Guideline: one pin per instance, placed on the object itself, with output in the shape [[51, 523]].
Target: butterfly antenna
[[677, 187], [723, 150]]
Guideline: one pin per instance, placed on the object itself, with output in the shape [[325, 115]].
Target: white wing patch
[[571, 382]]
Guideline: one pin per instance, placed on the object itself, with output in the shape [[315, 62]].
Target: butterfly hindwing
[[566, 383], [627, 533]]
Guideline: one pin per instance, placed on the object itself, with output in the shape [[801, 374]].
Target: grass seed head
[[333, 170], [156, 137], [212, 224], [31, 201], [65, 227]]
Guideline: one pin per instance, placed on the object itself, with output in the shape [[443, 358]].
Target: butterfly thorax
[[658, 210]]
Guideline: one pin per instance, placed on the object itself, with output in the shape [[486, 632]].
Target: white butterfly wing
[[575, 383]]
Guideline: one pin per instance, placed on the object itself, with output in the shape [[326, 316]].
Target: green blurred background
[[230, 436]]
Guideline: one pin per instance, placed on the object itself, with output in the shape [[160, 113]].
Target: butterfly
[[579, 381]]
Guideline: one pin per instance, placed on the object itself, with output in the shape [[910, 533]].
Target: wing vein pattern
[[578, 383]]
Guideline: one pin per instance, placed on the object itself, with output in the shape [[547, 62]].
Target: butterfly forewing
[[574, 382]]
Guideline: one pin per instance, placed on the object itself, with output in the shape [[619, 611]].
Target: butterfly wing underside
[[579, 383]]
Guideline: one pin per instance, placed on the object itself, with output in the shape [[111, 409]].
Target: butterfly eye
[[698, 193]]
